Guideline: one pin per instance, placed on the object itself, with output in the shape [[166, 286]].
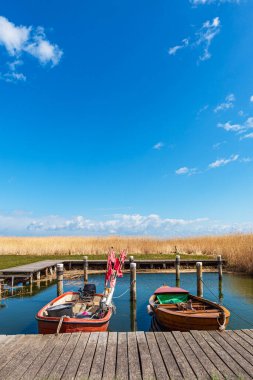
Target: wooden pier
[[133, 355]]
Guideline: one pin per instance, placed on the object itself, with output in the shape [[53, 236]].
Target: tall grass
[[236, 249]]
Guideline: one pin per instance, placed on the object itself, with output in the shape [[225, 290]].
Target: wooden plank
[[157, 360], [145, 358], [59, 343], [225, 357], [233, 352], [205, 361], [86, 362], [248, 332], [122, 357], [133, 357], [73, 364], [244, 336], [62, 362], [110, 357], [99, 357], [18, 356], [240, 340], [168, 358], [190, 355], [182, 363], [34, 350], [238, 347], [9, 350], [216, 360]]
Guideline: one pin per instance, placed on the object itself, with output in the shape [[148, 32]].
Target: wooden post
[[199, 279], [38, 276], [131, 259], [1, 287], [60, 270], [46, 272], [219, 267], [85, 269], [51, 271], [177, 263], [133, 281]]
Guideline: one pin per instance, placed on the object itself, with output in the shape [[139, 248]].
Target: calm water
[[17, 313]]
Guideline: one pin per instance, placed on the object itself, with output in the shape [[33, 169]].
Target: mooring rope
[[243, 319], [125, 291]]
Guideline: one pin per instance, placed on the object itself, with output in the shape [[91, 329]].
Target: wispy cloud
[[202, 38], [247, 136], [251, 99], [204, 2], [158, 146], [186, 171], [238, 128], [228, 103], [19, 41], [223, 161], [218, 145]]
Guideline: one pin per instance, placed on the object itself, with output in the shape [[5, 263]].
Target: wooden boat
[[70, 313], [176, 309]]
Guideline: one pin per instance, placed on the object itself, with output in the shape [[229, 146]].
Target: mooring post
[[85, 269], [59, 273], [177, 264], [219, 265], [1, 287], [133, 281], [199, 279], [46, 272], [38, 276]]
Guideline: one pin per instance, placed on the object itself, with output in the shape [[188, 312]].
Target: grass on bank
[[236, 249], [7, 261]]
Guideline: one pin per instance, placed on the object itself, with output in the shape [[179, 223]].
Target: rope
[[245, 320], [126, 290]]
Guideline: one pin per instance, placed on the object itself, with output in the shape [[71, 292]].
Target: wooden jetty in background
[[133, 355]]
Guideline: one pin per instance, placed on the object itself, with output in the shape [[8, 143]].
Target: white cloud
[[228, 103], [26, 40], [223, 161], [203, 38], [158, 146], [247, 136], [218, 145], [238, 128], [204, 2], [121, 224], [185, 170], [251, 99]]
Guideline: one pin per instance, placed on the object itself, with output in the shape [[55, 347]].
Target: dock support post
[[38, 276], [133, 281], [177, 264], [85, 269], [59, 279], [219, 260], [1, 287], [46, 272], [199, 279], [51, 271]]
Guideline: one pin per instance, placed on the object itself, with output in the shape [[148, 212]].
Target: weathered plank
[[9, 351], [110, 357], [73, 364], [215, 359], [168, 358], [47, 367], [156, 357], [225, 357], [133, 357], [190, 355], [87, 358], [182, 363], [248, 332], [244, 336], [237, 347], [122, 357], [238, 339], [96, 372], [145, 358]]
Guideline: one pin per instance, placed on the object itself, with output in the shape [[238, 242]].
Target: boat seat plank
[[37, 347], [168, 358], [244, 336], [122, 357], [99, 357], [61, 363], [73, 364], [86, 362], [156, 357], [239, 355], [210, 352], [225, 357], [48, 365], [145, 358], [183, 364], [237, 339], [191, 357], [110, 357], [201, 355], [133, 357]]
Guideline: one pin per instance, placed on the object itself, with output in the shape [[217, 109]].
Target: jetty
[[128, 355]]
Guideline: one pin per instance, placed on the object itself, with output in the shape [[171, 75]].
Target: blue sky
[[130, 117]]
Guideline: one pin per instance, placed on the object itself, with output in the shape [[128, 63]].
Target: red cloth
[[123, 256], [117, 267]]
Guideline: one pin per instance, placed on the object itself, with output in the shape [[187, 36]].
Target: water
[[17, 313]]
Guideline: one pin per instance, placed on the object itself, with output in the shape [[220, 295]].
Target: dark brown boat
[[176, 309]]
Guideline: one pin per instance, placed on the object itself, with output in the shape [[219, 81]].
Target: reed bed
[[236, 249]]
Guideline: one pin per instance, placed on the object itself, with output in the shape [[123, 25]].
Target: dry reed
[[236, 249]]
